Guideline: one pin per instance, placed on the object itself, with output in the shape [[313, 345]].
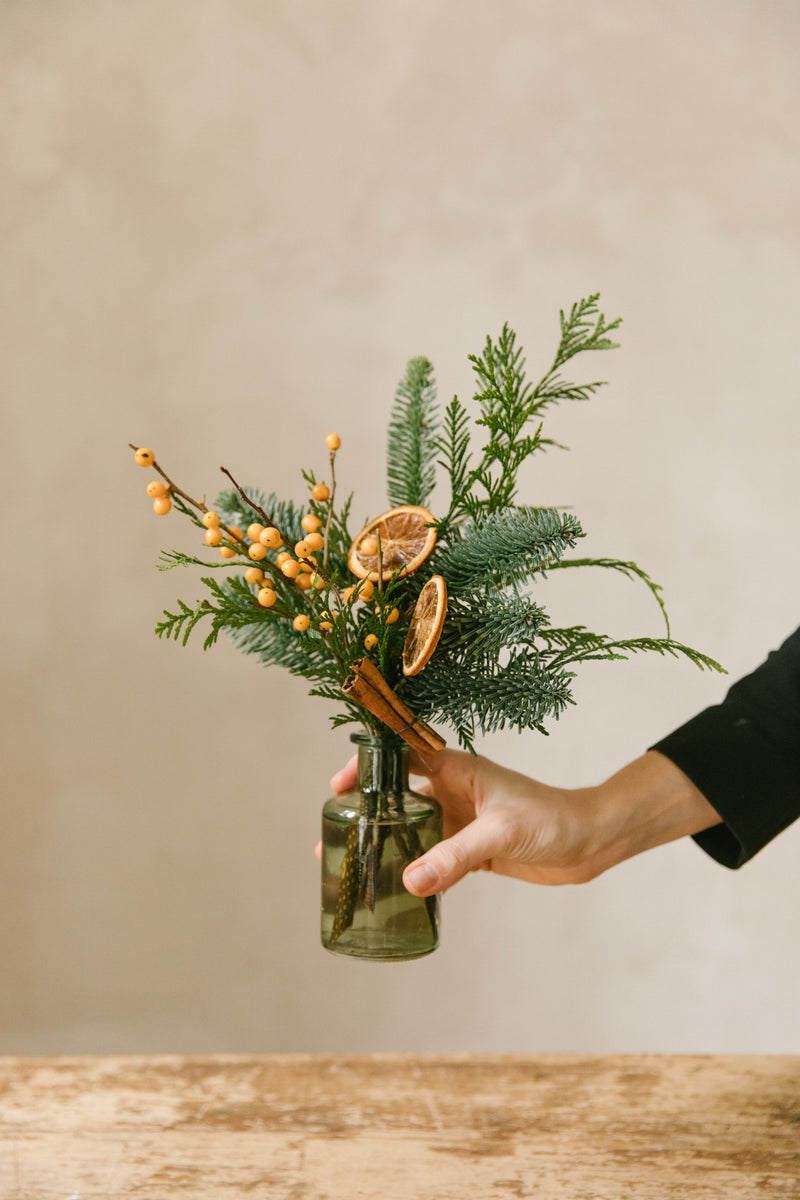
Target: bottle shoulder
[[407, 804]]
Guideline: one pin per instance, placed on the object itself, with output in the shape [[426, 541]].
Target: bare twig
[[198, 504], [332, 457]]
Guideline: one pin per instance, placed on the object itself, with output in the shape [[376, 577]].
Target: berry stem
[[258, 509], [251, 503], [198, 504], [332, 457]]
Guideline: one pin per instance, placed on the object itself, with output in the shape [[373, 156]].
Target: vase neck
[[382, 764]]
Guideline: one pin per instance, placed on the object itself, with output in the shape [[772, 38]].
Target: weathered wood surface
[[394, 1127]]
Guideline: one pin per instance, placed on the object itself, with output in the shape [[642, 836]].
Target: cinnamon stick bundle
[[367, 687]]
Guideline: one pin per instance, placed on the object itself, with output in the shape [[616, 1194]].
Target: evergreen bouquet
[[417, 619]]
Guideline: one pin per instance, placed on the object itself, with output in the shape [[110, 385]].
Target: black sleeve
[[744, 756]]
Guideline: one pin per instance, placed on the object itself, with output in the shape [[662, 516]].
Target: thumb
[[452, 859]]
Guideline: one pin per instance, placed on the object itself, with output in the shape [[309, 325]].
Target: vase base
[[382, 957]]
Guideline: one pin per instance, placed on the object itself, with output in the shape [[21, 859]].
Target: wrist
[[648, 803]]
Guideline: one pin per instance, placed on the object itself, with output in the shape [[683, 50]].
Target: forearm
[[646, 804]]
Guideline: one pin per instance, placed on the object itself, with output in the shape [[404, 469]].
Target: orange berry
[[254, 531], [303, 581], [227, 552], [391, 617], [333, 441], [266, 597], [256, 551], [326, 625], [162, 505], [367, 591], [311, 523], [213, 537], [369, 546], [254, 575], [370, 641], [156, 488], [301, 623], [270, 538], [291, 568], [145, 458], [211, 520], [283, 557], [320, 491], [302, 549], [236, 533], [315, 540], [347, 593]]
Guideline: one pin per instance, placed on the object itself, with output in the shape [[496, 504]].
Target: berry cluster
[[286, 576]]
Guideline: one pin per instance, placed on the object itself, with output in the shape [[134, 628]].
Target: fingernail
[[422, 876]]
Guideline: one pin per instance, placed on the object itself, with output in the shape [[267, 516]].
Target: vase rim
[[379, 739]]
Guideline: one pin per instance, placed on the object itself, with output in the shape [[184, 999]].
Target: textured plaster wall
[[225, 227]]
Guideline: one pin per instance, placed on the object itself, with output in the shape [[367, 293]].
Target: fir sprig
[[509, 547], [521, 693], [577, 644], [630, 570], [411, 447]]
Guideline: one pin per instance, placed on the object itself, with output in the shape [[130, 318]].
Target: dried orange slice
[[405, 543], [426, 625]]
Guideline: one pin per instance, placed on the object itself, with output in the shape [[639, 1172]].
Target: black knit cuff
[[751, 782]]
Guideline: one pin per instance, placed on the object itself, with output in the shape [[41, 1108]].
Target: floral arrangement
[[428, 614]]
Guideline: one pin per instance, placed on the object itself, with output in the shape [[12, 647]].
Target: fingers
[[346, 779], [474, 846]]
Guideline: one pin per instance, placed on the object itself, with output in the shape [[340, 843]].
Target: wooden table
[[395, 1127]]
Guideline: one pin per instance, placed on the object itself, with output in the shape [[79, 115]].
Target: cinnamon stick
[[367, 687]]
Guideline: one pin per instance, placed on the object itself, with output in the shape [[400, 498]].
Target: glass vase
[[368, 839]]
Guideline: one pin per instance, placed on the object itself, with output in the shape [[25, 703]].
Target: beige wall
[[225, 227]]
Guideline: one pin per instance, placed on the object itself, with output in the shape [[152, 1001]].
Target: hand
[[499, 820]]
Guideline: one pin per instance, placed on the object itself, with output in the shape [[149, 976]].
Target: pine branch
[[507, 548], [505, 399], [175, 558], [553, 390], [453, 445], [584, 329], [180, 625], [509, 403], [629, 569], [578, 644], [485, 624], [522, 693], [411, 447]]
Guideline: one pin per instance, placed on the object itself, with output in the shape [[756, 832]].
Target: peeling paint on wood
[[400, 1127]]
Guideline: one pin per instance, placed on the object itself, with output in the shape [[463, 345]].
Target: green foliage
[[629, 569], [499, 662], [511, 410], [411, 448], [487, 695], [233, 611], [509, 547], [488, 622], [576, 644]]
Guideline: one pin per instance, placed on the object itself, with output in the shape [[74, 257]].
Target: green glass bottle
[[368, 839]]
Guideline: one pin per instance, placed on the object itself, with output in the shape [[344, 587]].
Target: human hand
[[500, 820], [494, 819]]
